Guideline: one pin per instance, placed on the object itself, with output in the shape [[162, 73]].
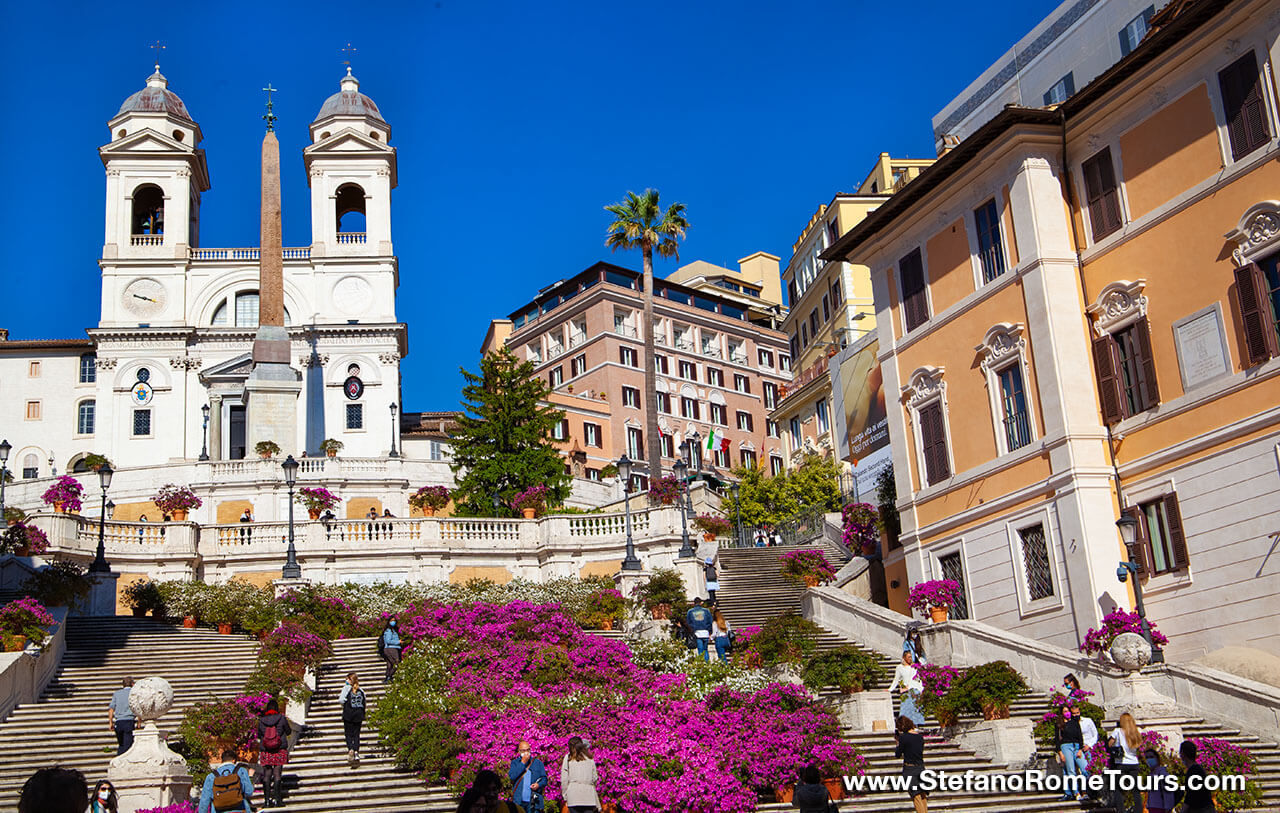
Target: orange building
[[1077, 310]]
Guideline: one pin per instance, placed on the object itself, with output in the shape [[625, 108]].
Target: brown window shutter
[[1177, 539], [940, 435], [1108, 380], [915, 304], [1110, 194], [1142, 332], [1243, 106], [933, 441], [1142, 541], [1101, 194], [1259, 334]]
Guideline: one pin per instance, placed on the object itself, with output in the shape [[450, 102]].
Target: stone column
[[102, 595], [215, 426]]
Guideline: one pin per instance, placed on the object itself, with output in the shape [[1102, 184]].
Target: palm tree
[[640, 222]]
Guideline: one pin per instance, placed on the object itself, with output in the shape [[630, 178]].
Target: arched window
[[246, 311], [30, 467], [148, 210], [220, 316], [85, 417], [350, 208]]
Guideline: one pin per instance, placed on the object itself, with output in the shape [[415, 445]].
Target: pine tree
[[503, 443]]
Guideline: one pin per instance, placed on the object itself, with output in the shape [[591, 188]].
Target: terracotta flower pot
[[264, 455], [428, 511], [835, 787], [331, 452], [262, 634], [709, 537], [179, 515], [224, 629], [189, 622], [139, 612], [313, 513], [60, 507], [661, 612], [994, 711], [529, 513], [812, 581], [606, 624], [608, 807], [939, 614], [784, 793], [18, 643]]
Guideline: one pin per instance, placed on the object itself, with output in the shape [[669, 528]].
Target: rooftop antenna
[[270, 117], [157, 48]]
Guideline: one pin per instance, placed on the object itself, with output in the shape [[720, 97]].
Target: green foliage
[[784, 639], [410, 718], [846, 667], [266, 447], [664, 587], [773, 500], [95, 461], [280, 679], [503, 443], [185, 598], [887, 502], [987, 685], [60, 584], [144, 595]]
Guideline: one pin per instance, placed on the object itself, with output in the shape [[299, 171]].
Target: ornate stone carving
[[1002, 340], [1257, 232], [383, 172], [1093, 143], [388, 358], [313, 360], [105, 363], [924, 384], [1038, 162], [113, 173], [178, 362], [185, 362], [1130, 651], [1119, 304], [150, 698], [1232, 46], [183, 172]]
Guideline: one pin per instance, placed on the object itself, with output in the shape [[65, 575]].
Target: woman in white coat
[[904, 676], [578, 778]]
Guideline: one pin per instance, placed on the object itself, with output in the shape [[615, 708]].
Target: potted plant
[[602, 609], [316, 499], [429, 499], [95, 461], [24, 620], [937, 596], [663, 591], [1098, 641], [14, 514], [222, 610], [665, 491], [987, 689], [782, 645], [176, 501], [186, 599], [861, 528], [937, 681], [807, 567], [712, 526], [260, 617], [848, 668], [21, 539], [64, 494], [331, 447], [266, 449], [531, 502], [143, 596]]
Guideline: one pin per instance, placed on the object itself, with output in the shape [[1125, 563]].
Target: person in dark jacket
[[1070, 740], [713, 581], [811, 795], [273, 732], [700, 621], [352, 699], [1198, 800], [54, 790], [911, 749], [528, 779]]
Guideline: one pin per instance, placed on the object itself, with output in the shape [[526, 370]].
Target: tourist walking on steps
[[227, 787], [721, 632], [104, 798], [1159, 800], [914, 645], [713, 583], [911, 748], [578, 777], [389, 648], [120, 716], [273, 732], [700, 621], [528, 778], [1127, 741], [811, 796], [1199, 800], [905, 677], [353, 706], [1069, 740]]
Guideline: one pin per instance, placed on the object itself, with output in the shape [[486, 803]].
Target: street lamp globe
[[290, 467], [204, 410], [111, 509], [4, 451], [104, 476], [1128, 530], [684, 452], [624, 471], [680, 468]]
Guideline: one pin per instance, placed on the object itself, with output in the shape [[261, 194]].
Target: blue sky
[[515, 124]]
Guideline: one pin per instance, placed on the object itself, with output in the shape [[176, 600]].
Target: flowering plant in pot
[[663, 593], [807, 567], [95, 461], [861, 528], [936, 596], [1098, 641], [13, 514], [64, 494], [712, 525], [784, 641], [603, 609], [25, 619], [665, 491], [429, 499], [266, 449], [987, 689], [937, 680], [176, 501], [331, 446], [316, 499], [222, 610], [143, 596], [531, 502], [22, 539]]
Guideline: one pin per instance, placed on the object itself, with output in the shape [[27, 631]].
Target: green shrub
[[784, 639], [989, 686], [664, 587], [410, 717], [59, 584], [145, 595], [846, 667]]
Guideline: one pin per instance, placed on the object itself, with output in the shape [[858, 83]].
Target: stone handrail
[[1198, 690], [24, 675]]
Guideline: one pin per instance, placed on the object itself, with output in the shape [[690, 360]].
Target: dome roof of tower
[[156, 98], [349, 102]]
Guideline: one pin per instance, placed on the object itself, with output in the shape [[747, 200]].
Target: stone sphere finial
[[1130, 651], [150, 698]]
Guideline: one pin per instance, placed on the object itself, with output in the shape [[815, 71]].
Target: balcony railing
[[1017, 430], [625, 330], [711, 352], [738, 360], [351, 237], [683, 344], [577, 339], [818, 368], [660, 338], [146, 240], [244, 253]]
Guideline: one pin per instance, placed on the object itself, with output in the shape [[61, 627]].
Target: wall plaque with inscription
[[1202, 355]]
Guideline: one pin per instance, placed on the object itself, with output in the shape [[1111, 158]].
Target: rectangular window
[[1161, 546], [88, 368], [141, 422], [688, 371], [689, 408], [534, 351], [561, 430], [627, 355], [593, 474], [771, 428], [33, 370], [719, 415], [660, 365], [747, 458], [1126, 372], [715, 377], [837, 296], [775, 465], [664, 402], [791, 293], [1061, 90], [667, 445], [355, 416], [953, 568], [794, 342], [933, 443], [915, 300], [804, 336], [1013, 405], [635, 443], [1133, 33], [833, 232], [247, 310], [1035, 561], [591, 434], [796, 436], [766, 358], [722, 458], [33, 410], [824, 421], [770, 394], [631, 397], [986, 219], [84, 418], [741, 384], [1102, 197], [556, 377], [1243, 106], [1258, 295], [744, 421], [30, 473], [784, 363], [578, 365], [826, 308], [435, 451], [813, 323]]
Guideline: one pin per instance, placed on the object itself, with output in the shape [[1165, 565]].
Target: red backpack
[[271, 739]]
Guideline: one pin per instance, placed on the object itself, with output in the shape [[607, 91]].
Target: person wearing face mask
[[389, 648], [1070, 741], [104, 799], [1160, 799], [528, 778]]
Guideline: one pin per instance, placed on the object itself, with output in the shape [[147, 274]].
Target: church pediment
[[346, 141], [235, 369], [145, 141]]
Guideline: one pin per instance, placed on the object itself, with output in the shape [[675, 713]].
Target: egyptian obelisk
[[271, 391]]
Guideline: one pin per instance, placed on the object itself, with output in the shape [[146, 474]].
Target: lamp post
[[737, 504], [497, 503], [1129, 534], [681, 470], [394, 433], [686, 452], [291, 569], [100, 559], [204, 434], [52, 471], [695, 454], [4, 460], [624, 471]]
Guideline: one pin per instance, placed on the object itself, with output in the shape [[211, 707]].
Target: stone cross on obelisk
[[271, 391]]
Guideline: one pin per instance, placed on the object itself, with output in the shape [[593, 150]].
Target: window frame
[[134, 414], [637, 449], [346, 417], [1000, 254], [692, 369], [588, 431], [1109, 364], [92, 366], [689, 405], [717, 414], [627, 356], [1232, 153], [1003, 347], [926, 389], [742, 458], [663, 400], [1145, 16], [918, 296], [630, 397], [38, 410], [1166, 497], [745, 421], [936, 553], [555, 376], [577, 365], [1099, 231], [1014, 526], [715, 376], [93, 417], [742, 383]]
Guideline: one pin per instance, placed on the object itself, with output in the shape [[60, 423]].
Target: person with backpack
[[353, 706], [700, 621], [227, 787], [273, 732], [389, 648]]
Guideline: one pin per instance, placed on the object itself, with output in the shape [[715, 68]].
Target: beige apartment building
[[721, 362]]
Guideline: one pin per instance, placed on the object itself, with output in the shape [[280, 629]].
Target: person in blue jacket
[[227, 767], [528, 778], [389, 649], [700, 621]]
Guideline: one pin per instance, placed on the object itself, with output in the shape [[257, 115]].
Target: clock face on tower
[[144, 297]]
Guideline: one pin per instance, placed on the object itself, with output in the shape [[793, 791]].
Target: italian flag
[[711, 439]]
